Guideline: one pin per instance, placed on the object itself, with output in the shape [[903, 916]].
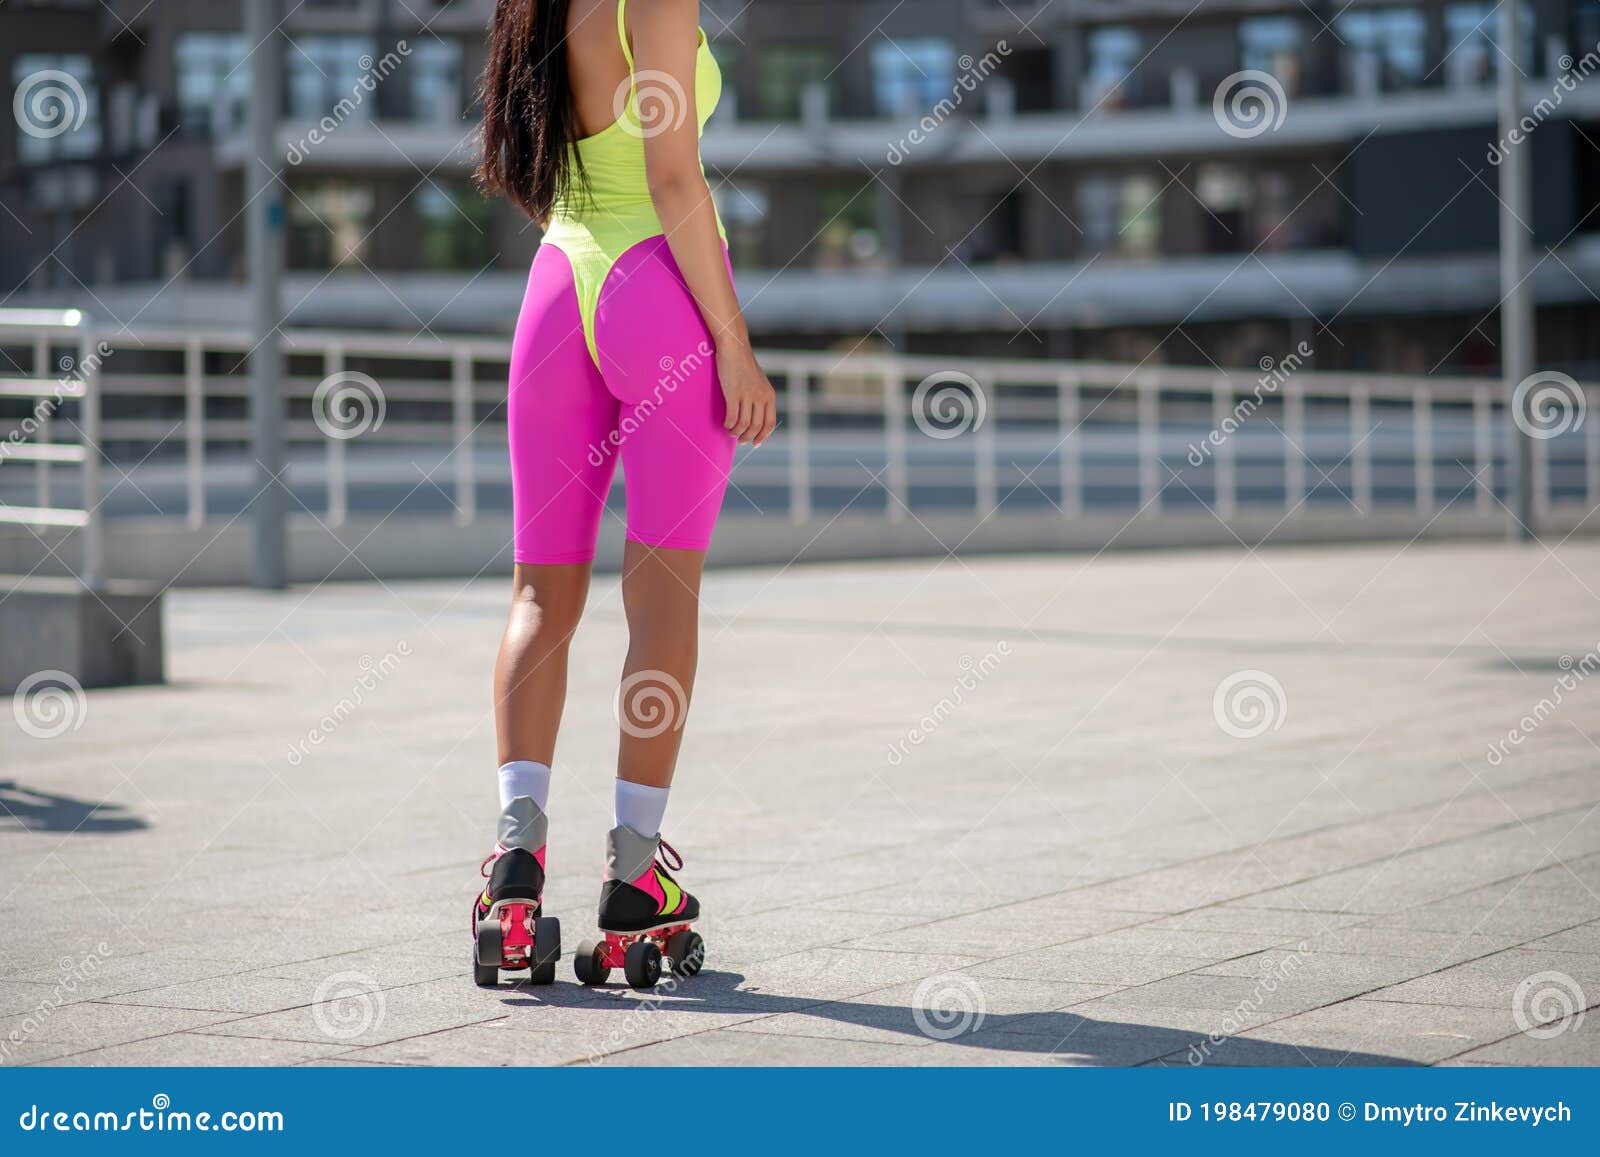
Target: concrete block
[[106, 638]]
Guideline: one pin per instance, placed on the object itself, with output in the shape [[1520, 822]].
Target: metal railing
[[55, 389], [886, 433]]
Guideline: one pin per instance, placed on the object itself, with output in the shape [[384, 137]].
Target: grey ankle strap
[[523, 825], [628, 854]]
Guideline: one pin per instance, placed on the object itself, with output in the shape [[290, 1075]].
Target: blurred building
[[1000, 177]]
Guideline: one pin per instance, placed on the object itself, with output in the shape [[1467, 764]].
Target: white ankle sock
[[641, 807], [525, 778]]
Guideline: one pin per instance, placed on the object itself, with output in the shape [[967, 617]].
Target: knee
[[548, 622], [677, 633]]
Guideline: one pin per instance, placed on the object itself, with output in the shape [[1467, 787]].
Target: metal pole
[[264, 196], [94, 529], [1516, 301]]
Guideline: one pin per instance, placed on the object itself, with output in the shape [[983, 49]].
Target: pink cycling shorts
[[647, 397]]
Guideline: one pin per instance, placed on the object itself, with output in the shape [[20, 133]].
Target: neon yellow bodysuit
[[599, 222]]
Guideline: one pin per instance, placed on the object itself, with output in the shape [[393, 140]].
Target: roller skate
[[508, 931], [645, 916]]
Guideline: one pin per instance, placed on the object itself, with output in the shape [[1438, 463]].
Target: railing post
[[1149, 439], [894, 424], [1430, 441], [44, 370], [194, 437], [1294, 450], [1422, 448], [94, 562], [1541, 476], [1226, 474], [1069, 451], [799, 439], [462, 407], [985, 468], [1483, 447], [338, 484], [1361, 447], [1591, 456]]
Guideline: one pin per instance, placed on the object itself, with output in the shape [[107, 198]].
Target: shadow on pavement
[[41, 811], [1075, 1038]]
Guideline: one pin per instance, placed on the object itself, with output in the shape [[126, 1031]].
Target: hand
[[752, 402]]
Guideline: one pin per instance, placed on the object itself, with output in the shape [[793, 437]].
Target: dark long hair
[[529, 119]]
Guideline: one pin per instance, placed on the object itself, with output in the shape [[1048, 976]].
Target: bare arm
[[666, 45]]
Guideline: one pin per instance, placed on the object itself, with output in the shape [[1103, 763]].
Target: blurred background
[[1017, 265]]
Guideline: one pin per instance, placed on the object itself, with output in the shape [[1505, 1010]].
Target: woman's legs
[[530, 675], [659, 363], [661, 596], [561, 418]]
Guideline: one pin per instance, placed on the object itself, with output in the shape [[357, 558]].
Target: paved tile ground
[[966, 812]]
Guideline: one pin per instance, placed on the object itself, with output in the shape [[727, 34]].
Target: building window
[[57, 107], [325, 70], [1121, 215], [1471, 37], [436, 86], [1585, 27], [785, 73], [1274, 45], [1032, 73], [848, 233], [1114, 55], [329, 225], [456, 228], [213, 82], [911, 76], [999, 235], [1224, 193], [746, 212], [1385, 48]]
